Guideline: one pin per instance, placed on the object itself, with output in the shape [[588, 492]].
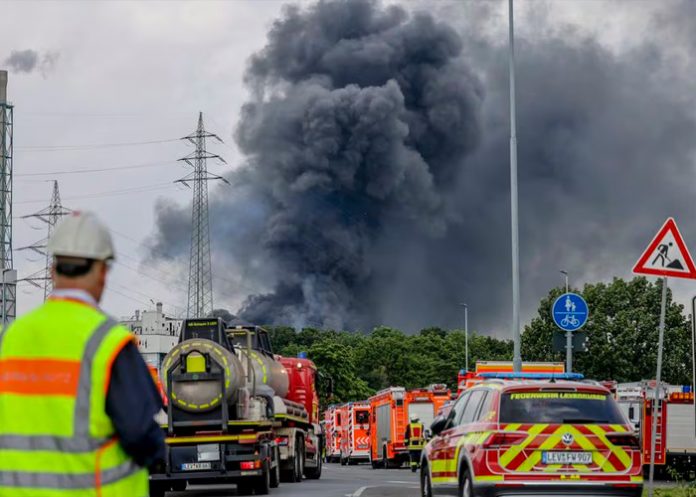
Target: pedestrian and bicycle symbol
[[667, 255], [570, 312]]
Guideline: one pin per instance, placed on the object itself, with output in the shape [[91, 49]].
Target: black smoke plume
[[27, 61], [376, 188]]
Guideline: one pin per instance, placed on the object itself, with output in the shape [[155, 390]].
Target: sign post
[[570, 313], [665, 256]]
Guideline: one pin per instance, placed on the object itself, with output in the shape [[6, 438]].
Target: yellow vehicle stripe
[[213, 438], [512, 452], [552, 441], [620, 453], [598, 458], [444, 479], [488, 478], [439, 466]]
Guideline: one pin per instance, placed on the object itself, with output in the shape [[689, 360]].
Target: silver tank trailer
[[203, 395], [266, 371]]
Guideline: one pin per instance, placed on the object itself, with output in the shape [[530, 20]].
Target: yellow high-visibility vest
[[415, 440], [56, 439]]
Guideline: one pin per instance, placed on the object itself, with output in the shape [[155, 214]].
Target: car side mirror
[[438, 425], [428, 434]]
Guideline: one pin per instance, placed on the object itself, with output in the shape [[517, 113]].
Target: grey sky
[[131, 72]]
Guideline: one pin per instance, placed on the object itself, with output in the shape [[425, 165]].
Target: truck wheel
[[373, 463], [262, 485], [294, 474], [245, 487], [299, 457], [385, 460], [157, 489], [275, 472], [314, 473]]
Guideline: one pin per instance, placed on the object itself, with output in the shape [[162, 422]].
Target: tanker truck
[[236, 413]]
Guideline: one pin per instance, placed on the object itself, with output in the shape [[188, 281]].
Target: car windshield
[[559, 408]]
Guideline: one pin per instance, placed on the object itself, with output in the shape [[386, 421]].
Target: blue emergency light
[[533, 376]]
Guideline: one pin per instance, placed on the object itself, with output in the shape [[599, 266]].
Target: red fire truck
[[675, 443], [355, 440], [332, 427], [391, 409]]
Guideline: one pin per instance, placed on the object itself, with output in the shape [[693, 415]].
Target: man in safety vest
[[414, 441], [76, 399]]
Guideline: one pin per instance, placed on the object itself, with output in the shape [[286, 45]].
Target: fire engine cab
[[390, 410], [355, 440]]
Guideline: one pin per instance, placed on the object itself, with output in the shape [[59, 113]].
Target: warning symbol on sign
[[667, 255]]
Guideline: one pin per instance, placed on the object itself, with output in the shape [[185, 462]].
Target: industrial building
[[157, 333]]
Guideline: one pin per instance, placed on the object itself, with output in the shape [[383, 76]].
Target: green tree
[[337, 362], [622, 332]]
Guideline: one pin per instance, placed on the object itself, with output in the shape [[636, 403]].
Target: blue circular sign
[[570, 312]]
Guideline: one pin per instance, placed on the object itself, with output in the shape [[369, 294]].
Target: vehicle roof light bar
[[533, 376]]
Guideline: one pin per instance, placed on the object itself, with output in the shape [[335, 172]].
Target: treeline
[[621, 330], [361, 364]]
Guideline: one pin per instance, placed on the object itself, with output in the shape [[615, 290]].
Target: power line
[[60, 148], [99, 170], [112, 193]]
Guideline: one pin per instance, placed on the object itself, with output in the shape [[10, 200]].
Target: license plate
[[196, 466], [208, 452], [566, 457]]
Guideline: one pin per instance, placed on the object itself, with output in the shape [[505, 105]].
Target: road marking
[[359, 491], [402, 482]]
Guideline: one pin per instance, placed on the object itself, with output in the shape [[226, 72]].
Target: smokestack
[[3, 87], [159, 307]]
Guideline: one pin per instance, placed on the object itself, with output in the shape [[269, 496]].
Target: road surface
[[336, 481], [339, 481]]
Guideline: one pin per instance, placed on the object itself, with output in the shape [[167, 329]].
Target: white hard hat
[[81, 234], [414, 417]]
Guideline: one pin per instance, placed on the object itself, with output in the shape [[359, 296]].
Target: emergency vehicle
[[391, 410], [675, 443], [332, 420], [355, 441], [533, 437], [467, 379], [236, 413]]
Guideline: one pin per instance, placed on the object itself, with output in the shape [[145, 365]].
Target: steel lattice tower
[[9, 293], [50, 215], [200, 286]]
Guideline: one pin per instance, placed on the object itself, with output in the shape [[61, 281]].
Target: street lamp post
[[569, 334], [516, 340], [466, 336]]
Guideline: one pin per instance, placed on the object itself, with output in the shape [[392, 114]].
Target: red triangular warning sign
[[667, 255]]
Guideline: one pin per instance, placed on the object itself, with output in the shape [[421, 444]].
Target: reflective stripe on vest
[[416, 438], [80, 460]]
